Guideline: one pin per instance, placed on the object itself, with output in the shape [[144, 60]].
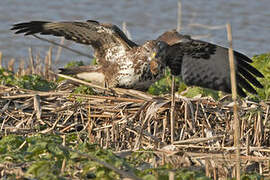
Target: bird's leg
[[172, 108]]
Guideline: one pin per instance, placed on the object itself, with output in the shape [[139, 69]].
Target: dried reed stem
[[171, 175], [207, 168], [206, 26], [179, 16], [37, 106], [125, 30], [59, 51], [235, 108], [130, 92], [1, 55], [49, 60], [64, 161], [11, 65], [123, 173], [21, 70], [172, 114], [31, 61], [82, 82], [172, 109]]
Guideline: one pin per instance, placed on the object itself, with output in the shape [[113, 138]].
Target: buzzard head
[[157, 52]]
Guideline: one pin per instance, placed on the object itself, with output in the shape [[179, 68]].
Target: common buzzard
[[204, 64], [123, 63]]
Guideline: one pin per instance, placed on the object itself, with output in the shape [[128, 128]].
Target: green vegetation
[[74, 64], [262, 62], [6, 77], [83, 89], [45, 157], [163, 86], [254, 176], [52, 157], [32, 81]]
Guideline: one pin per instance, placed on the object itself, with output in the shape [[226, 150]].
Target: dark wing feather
[[206, 65], [101, 36], [245, 84]]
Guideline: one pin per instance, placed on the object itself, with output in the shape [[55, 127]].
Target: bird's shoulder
[[195, 48]]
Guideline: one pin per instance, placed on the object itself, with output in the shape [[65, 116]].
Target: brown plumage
[[122, 62]]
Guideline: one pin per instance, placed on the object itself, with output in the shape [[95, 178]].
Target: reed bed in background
[[128, 120]]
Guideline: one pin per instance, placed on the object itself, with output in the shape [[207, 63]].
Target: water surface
[[146, 19]]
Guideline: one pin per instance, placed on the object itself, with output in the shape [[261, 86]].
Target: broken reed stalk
[[48, 64], [49, 60], [172, 115], [59, 51], [46, 67], [171, 175], [197, 25], [1, 55], [21, 70], [130, 92], [179, 16], [125, 30], [31, 61], [63, 46], [234, 97], [11, 64], [82, 82]]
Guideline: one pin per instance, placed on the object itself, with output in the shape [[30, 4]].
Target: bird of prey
[[204, 64], [123, 63]]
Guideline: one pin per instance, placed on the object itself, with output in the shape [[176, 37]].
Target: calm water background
[[146, 19]]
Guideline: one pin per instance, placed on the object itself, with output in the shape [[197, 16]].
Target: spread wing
[[102, 37], [204, 64]]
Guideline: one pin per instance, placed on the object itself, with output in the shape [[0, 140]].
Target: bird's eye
[[160, 45]]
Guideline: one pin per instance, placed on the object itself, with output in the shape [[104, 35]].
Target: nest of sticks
[[192, 132], [200, 133]]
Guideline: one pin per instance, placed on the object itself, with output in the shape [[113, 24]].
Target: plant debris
[[124, 122], [94, 132]]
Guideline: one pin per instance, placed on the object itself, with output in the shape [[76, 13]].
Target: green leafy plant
[[83, 89], [6, 77], [34, 82], [74, 64], [163, 86], [262, 63], [43, 156], [251, 176]]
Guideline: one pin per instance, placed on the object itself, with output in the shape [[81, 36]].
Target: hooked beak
[[153, 55]]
